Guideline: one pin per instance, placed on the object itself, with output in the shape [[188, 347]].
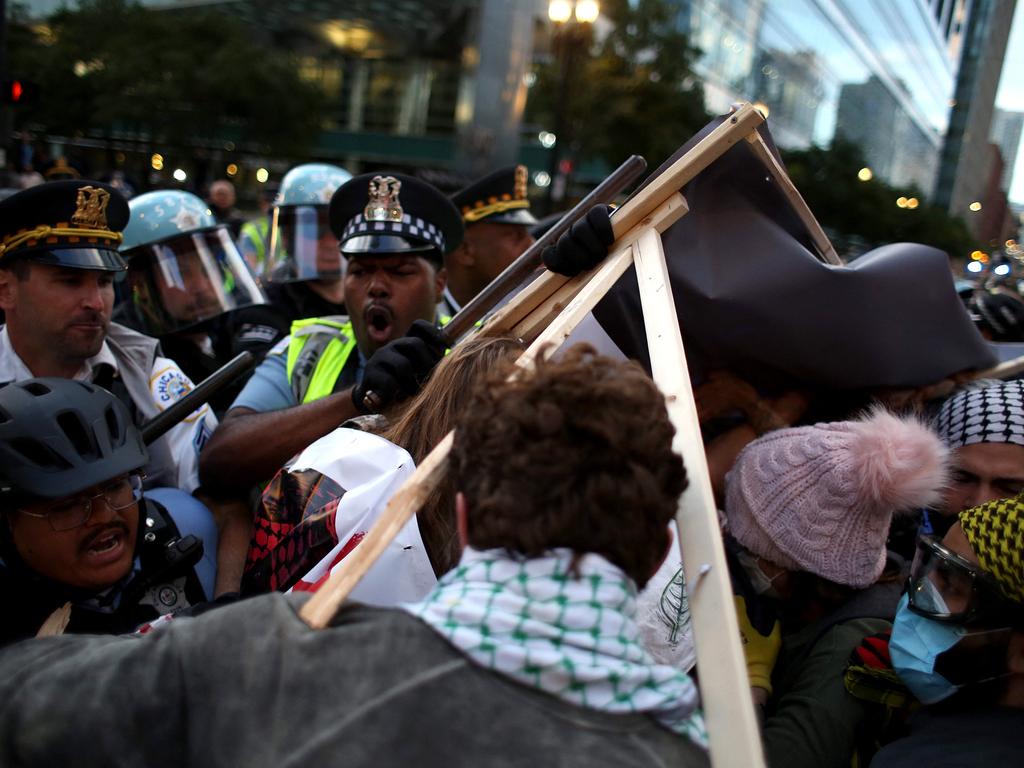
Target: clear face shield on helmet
[[179, 283], [302, 246]]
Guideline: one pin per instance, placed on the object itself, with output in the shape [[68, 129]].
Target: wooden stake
[[724, 685], [821, 242]]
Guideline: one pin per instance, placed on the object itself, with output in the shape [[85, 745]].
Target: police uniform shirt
[[268, 388], [167, 384]]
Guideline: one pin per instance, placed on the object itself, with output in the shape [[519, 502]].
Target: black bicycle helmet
[[60, 436], [998, 314]]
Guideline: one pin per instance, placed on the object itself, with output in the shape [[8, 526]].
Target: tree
[[176, 77], [827, 179], [634, 91]]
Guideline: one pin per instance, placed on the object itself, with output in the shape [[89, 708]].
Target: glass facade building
[[880, 73]]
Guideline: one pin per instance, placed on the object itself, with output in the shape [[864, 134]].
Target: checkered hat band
[[995, 531], [991, 414], [412, 226]]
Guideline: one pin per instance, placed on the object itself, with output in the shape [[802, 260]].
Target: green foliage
[[177, 76], [827, 179], [633, 92]]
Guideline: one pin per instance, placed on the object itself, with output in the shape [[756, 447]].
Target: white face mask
[[758, 579]]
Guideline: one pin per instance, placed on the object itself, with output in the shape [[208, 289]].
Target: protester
[[74, 525], [983, 425], [808, 510], [958, 643], [58, 293], [567, 482], [301, 514], [496, 212]]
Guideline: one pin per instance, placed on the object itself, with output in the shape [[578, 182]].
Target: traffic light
[[20, 92]]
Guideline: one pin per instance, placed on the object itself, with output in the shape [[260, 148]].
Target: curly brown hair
[[576, 453]]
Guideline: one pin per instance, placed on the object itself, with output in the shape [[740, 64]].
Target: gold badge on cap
[[521, 179], [91, 208], [384, 204]]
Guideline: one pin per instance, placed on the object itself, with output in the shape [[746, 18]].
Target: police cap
[[499, 197], [390, 213], [75, 223]]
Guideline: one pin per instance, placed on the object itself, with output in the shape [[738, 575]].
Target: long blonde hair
[[422, 422]]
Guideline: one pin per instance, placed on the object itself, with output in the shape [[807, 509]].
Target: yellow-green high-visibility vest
[[317, 353]]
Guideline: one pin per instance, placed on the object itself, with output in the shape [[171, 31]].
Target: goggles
[[945, 587]]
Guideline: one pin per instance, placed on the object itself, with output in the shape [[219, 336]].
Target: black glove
[[584, 246], [398, 369]]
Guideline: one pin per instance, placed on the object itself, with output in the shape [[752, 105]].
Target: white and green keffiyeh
[[572, 635]]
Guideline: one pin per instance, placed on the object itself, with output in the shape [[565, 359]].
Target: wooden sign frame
[[544, 314]]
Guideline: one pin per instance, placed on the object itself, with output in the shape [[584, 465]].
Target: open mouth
[[107, 544], [379, 322]]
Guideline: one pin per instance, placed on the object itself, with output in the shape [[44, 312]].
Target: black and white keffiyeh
[[992, 413]]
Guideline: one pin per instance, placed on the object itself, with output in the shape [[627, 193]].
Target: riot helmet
[[61, 436], [184, 268], [302, 245]]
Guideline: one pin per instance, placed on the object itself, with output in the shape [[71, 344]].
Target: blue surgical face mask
[[915, 645]]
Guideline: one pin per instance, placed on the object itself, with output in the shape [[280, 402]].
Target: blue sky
[[1011, 91]]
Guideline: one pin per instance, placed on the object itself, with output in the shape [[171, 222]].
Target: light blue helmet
[[311, 184], [302, 246], [183, 267], [166, 213]]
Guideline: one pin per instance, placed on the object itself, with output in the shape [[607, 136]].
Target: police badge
[[91, 208], [384, 204]]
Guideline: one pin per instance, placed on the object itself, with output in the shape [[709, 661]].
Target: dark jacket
[[251, 685], [956, 737]]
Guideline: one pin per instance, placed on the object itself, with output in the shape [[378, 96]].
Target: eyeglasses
[[945, 587], [71, 513]]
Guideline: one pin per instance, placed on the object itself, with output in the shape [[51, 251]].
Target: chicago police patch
[[168, 386]]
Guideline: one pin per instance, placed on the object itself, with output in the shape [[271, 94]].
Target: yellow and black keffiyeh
[[995, 531]]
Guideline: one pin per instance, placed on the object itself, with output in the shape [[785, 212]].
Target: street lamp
[[572, 20]]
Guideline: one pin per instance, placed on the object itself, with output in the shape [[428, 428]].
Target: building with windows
[[878, 72], [440, 86], [1006, 132]]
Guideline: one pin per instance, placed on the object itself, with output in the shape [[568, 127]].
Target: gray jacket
[[251, 685]]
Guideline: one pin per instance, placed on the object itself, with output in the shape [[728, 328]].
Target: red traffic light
[[19, 92]]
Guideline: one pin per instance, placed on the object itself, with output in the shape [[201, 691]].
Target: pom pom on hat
[[821, 498]]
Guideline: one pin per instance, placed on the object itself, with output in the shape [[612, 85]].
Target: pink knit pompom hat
[[820, 498]]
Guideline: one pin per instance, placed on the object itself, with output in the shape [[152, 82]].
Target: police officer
[[394, 231], [303, 272], [75, 526], [58, 264], [188, 285], [254, 237], [496, 214]]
